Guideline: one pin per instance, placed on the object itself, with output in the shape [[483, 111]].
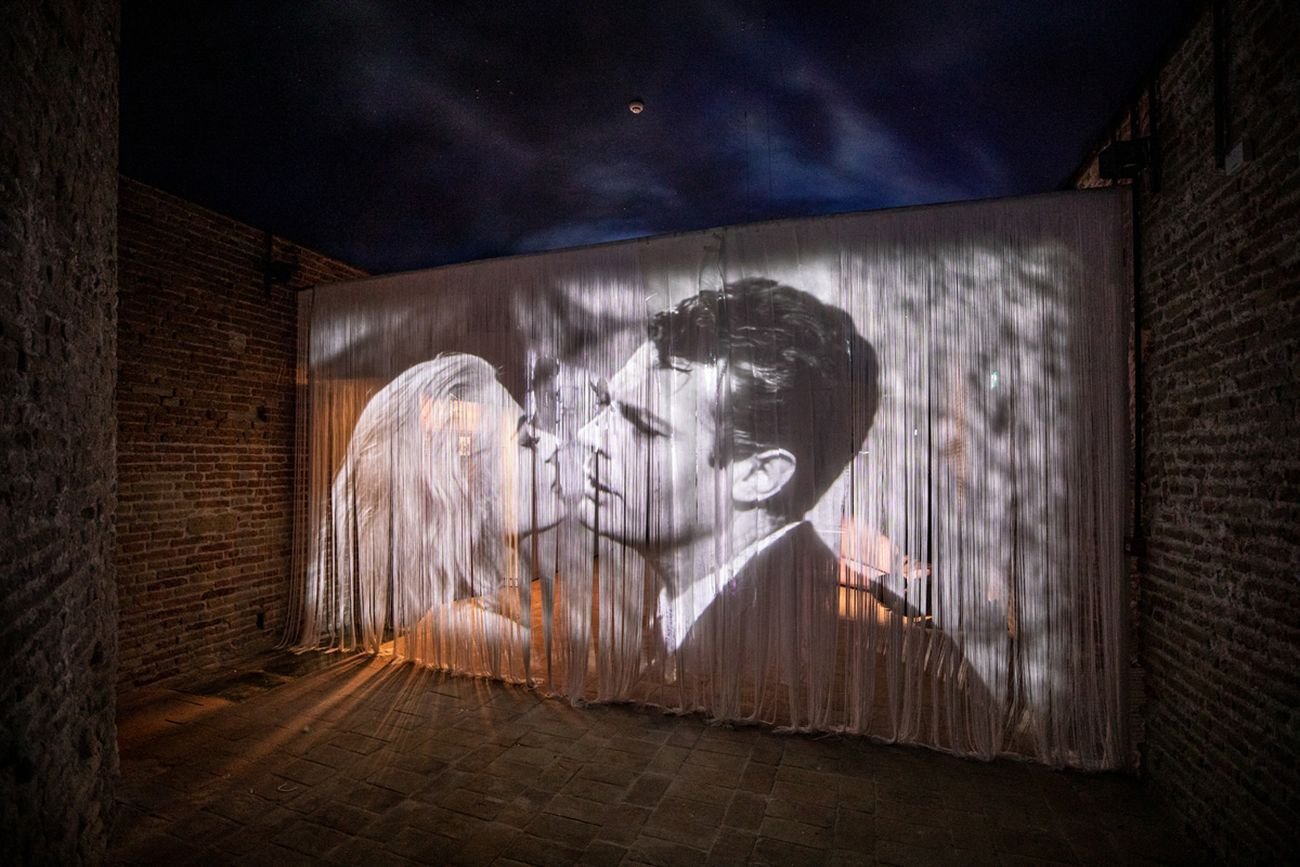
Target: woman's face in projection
[[517, 459]]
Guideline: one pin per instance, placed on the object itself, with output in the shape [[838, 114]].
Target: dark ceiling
[[401, 135]]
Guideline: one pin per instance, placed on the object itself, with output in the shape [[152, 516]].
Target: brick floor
[[321, 760]]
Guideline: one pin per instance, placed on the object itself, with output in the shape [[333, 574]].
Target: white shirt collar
[[678, 614]]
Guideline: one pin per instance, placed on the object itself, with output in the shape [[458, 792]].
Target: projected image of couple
[[707, 449]]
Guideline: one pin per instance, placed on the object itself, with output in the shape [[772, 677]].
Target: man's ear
[[760, 477]]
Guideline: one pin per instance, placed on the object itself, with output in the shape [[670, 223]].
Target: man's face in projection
[[649, 481]]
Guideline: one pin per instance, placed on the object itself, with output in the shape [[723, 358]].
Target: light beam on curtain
[[860, 473]]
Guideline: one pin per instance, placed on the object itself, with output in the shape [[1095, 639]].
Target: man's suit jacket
[[766, 648], [766, 645]]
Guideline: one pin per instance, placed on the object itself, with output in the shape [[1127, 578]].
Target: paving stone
[[546, 741], [729, 777], [648, 789], [602, 853], [373, 798], [506, 734], [773, 851], [276, 790], [714, 760], [526, 849], [132, 826], [857, 795], [731, 743], [582, 787], [533, 799], [309, 838], [767, 751], [568, 832], [578, 808], [758, 778], [557, 719], [443, 782], [1090, 844], [498, 787], [585, 746], [821, 815], [363, 852], [849, 858], [357, 743], [480, 758], [668, 760], [332, 756], [341, 817], [471, 803], [663, 853], [441, 750], [691, 823], [854, 830], [508, 770], [896, 852], [1035, 843], [515, 816], [486, 846], [615, 776], [805, 777], [695, 791], [423, 847], [628, 761], [685, 736], [792, 831], [263, 855], [823, 795], [399, 780], [923, 836], [987, 857], [530, 755], [732, 846], [425, 765], [803, 753], [642, 748], [317, 797], [555, 777], [746, 811], [623, 823], [307, 772]]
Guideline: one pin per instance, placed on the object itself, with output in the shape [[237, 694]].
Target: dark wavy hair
[[795, 375]]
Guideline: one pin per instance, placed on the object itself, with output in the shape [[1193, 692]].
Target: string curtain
[[861, 473]]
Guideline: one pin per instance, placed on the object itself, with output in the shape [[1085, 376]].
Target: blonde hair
[[416, 506]]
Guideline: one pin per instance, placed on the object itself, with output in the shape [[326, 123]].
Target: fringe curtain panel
[[861, 473]]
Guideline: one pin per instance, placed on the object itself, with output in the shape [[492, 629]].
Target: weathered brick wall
[[205, 407], [1220, 319], [58, 191]]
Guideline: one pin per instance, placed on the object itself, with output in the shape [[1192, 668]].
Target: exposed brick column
[[58, 285], [1220, 319]]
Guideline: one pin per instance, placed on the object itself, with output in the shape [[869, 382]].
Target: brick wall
[[58, 165], [1220, 321], [205, 408]]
